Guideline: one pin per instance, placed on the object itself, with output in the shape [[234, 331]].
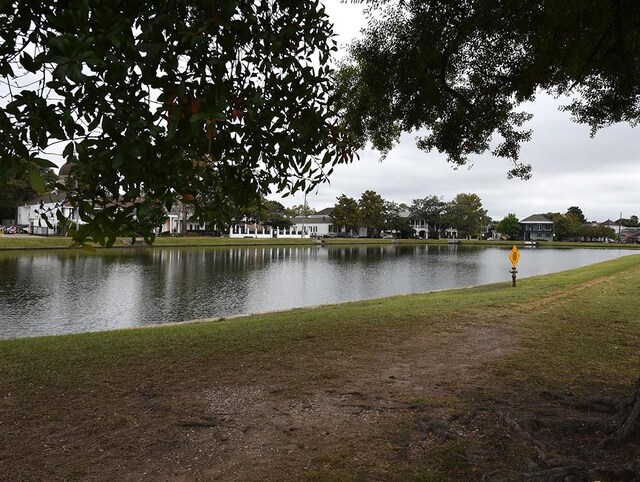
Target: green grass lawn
[[574, 333]]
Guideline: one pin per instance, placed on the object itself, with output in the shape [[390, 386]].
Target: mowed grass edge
[[16, 243]]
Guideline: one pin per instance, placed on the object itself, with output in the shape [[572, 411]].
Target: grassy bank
[[419, 387], [11, 242], [55, 242]]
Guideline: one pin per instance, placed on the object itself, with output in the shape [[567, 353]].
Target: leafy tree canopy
[[460, 69], [155, 102], [274, 214], [19, 190], [631, 221], [566, 226], [300, 210], [595, 232], [509, 226], [577, 213], [429, 208], [465, 213], [396, 220], [345, 213], [372, 211]]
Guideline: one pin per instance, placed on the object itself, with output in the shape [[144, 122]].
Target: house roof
[[324, 212], [66, 168], [537, 219], [50, 197], [314, 219]]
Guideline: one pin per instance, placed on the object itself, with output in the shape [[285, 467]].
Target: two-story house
[[537, 228]]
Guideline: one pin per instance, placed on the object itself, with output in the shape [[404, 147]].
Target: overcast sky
[[600, 175]]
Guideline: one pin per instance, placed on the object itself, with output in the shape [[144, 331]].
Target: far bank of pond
[[70, 291], [27, 242]]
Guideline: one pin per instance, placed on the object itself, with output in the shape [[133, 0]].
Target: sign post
[[514, 257]]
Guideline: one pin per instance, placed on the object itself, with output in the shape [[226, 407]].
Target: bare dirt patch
[[285, 425]]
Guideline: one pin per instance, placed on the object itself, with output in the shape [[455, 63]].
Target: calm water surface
[[55, 292]]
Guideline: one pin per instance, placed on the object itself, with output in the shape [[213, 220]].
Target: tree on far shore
[[577, 213], [464, 213], [372, 212], [429, 209], [395, 221], [509, 226], [565, 227], [631, 221], [20, 190], [345, 214]]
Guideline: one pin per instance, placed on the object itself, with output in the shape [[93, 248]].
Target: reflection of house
[[537, 228]]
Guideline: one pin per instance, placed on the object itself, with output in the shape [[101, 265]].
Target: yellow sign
[[514, 256]]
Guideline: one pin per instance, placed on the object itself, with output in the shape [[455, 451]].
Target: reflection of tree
[[365, 254], [208, 283]]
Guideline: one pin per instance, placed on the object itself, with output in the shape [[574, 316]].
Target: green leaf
[[28, 63], [37, 182], [183, 50], [5, 69], [117, 160], [46, 163], [67, 153]]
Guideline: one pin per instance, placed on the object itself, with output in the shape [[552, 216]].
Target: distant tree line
[[464, 213], [570, 226], [431, 215]]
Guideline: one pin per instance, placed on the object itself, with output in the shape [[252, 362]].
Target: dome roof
[[66, 168]]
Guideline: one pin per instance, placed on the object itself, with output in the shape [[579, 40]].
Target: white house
[[37, 211], [311, 226], [617, 228]]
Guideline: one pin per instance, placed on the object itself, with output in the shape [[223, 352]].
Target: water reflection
[[70, 291]]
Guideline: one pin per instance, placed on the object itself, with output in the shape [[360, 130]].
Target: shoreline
[[31, 243]]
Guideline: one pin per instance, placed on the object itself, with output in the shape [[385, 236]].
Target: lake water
[[71, 291]]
